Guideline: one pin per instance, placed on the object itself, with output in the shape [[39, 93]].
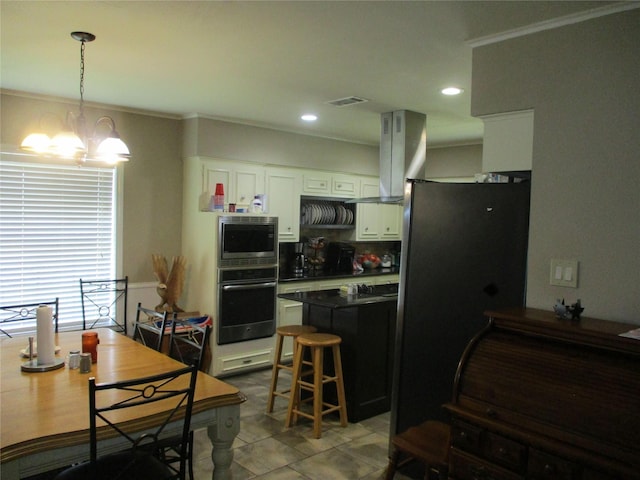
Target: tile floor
[[265, 450]]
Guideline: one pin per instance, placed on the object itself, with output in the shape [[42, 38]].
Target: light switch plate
[[564, 273]]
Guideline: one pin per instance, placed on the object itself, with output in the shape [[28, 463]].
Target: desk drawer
[[466, 437], [545, 466], [506, 452], [468, 467]]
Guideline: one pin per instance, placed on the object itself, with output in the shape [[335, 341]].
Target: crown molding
[[89, 104], [553, 23]]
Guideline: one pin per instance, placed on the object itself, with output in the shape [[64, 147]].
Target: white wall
[[217, 139], [582, 81], [459, 163], [143, 293]]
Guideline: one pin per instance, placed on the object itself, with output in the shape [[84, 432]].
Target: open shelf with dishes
[[327, 213]]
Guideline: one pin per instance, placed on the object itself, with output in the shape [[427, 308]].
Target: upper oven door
[[248, 237]]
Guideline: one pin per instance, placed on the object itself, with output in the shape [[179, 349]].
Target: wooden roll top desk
[[536, 397]]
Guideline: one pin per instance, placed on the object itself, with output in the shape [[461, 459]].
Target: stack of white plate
[[325, 213]]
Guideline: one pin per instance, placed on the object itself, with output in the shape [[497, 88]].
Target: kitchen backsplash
[[377, 248]]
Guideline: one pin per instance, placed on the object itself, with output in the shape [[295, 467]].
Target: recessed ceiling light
[[309, 117], [452, 91]]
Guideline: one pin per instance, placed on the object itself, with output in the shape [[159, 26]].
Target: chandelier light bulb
[[112, 149], [67, 144], [36, 142]]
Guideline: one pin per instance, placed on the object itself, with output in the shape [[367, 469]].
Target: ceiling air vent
[[347, 101]]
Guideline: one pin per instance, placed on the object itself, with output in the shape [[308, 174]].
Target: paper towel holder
[[32, 364]]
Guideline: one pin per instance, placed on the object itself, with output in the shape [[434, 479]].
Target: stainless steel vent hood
[[403, 149]]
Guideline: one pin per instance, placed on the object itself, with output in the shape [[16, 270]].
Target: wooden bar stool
[[282, 332], [428, 443], [317, 342]]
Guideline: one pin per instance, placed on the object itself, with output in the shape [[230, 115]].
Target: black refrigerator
[[464, 251]]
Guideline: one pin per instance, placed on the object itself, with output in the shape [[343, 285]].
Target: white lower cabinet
[[330, 284], [234, 363], [387, 279], [290, 312]]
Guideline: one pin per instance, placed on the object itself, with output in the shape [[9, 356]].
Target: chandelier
[[75, 141]]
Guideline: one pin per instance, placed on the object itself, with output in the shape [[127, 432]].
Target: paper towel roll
[[46, 342]]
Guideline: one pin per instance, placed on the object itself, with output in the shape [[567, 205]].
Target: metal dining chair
[[140, 461], [104, 301], [27, 313], [188, 344], [150, 327]]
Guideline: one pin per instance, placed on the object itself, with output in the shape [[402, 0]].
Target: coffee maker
[[339, 257], [299, 260]]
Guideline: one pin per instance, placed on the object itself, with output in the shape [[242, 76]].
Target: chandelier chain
[[82, 78]]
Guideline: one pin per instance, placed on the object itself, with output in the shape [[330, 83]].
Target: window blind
[[57, 225]]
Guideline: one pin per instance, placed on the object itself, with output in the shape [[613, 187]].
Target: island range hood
[[403, 149]]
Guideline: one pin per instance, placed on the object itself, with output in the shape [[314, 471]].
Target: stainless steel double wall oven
[[247, 277]]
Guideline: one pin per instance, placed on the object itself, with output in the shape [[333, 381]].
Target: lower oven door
[[246, 311]]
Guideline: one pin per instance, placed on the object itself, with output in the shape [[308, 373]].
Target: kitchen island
[[366, 324]]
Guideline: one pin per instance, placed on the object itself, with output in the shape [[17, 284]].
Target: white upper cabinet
[[345, 186], [284, 187], [377, 221], [508, 142], [316, 183], [326, 184], [242, 182], [283, 200], [390, 222]]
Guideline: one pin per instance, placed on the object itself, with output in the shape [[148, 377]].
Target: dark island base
[[367, 332]]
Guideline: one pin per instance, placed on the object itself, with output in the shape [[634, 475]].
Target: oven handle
[[249, 286]]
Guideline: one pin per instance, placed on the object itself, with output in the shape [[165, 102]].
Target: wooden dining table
[[45, 415]]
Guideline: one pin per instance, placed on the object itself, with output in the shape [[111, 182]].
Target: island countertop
[[337, 299]]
